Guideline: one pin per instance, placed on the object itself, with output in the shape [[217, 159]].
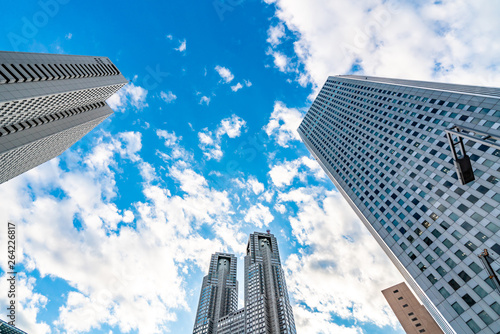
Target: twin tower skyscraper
[[267, 307]]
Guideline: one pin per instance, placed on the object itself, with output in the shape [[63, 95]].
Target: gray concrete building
[[47, 103], [267, 307], [412, 315], [383, 144]]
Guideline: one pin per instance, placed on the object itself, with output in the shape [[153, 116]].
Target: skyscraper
[[47, 103], [219, 293], [414, 318], [267, 307], [383, 144]]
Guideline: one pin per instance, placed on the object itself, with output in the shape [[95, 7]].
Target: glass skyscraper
[[47, 103], [267, 307], [383, 144]]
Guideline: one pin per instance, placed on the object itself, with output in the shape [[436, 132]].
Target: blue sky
[[115, 235]]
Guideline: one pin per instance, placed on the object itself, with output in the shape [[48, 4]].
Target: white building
[[47, 103], [383, 144]]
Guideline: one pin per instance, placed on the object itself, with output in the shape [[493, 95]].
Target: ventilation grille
[[13, 73]]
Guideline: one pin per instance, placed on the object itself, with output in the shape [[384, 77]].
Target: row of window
[[12, 73]]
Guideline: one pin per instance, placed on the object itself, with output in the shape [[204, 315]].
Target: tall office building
[[413, 316], [219, 293], [383, 144], [267, 307], [47, 103]]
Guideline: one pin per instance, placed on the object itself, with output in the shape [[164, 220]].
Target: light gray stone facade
[[47, 103]]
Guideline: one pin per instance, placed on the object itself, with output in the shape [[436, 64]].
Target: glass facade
[[382, 142]]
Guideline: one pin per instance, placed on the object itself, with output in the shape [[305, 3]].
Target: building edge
[[431, 308]]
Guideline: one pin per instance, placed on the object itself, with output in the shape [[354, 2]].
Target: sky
[[115, 235]]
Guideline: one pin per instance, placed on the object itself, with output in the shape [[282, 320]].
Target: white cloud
[[340, 249], [281, 61], [225, 73], [248, 83], [319, 322], [205, 100], [168, 97], [275, 34], [256, 186], [172, 142], [128, 95], [182, 46], [28, 302], [210, 142], [169, 36], [451, 41], [236, 87], [259, 215], [124, 289], [283, 174], [69, 36], [283, 124]]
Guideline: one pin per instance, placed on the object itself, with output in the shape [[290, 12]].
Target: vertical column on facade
[[270, 287]]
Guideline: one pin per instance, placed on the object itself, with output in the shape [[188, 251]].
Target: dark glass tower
[[383, 144], [47, 103]]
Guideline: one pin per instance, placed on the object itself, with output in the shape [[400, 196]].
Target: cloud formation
[[210, 141], [451, 41], [129, 95], [224, 73], [283, 124], [168, 97]]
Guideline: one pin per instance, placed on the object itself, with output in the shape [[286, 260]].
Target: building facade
[[413, 316], [47, 103], [5, 328], [219, 293], [383, 144], [267, 307]]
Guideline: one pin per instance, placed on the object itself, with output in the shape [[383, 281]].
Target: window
[[468, 299], [441, 271], [450, 263], [432, 279], [395, 291], [495, 307], [480, 291], [446, 294], [485, 317], [463, 275], [456, 306], [454, 284], [405, 305], [461, 255], [475, 267], [472, 325]]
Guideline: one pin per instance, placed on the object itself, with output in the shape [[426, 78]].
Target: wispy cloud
[[168, 97], [210, 141], [225, 73], [205, 100], [182, 46], [236, 87], [283, 124]]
